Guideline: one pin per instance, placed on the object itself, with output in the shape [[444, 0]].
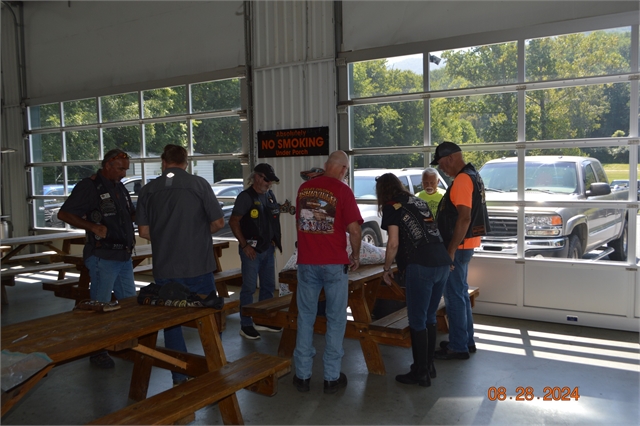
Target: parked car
[[364, 188], [51, 206], [622, 183], [226, 190]]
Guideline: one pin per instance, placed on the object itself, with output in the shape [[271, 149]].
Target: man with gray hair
[[255, 222], [101, 205], [431, 192]]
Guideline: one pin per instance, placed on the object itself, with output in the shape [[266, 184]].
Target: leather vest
[[417, 223], [260, 219], [120, 234], [448, 214]]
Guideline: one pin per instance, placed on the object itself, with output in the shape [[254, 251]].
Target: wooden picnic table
[[364, 285], [72, 335], [46, 240], [140, 253]]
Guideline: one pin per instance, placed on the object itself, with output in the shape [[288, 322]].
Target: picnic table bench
[[9, 274], [72, 335]]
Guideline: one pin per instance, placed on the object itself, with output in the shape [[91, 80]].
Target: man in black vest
[[101, 205], [462, 220], [255, 222]]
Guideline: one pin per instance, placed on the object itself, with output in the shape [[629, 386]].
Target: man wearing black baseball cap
[[255, 222], [462, 220]]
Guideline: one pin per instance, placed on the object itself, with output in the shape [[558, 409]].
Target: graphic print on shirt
[[317, 211]]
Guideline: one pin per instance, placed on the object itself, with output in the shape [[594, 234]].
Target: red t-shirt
[[324, 208]]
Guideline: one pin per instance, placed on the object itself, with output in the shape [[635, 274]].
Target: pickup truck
[[565, 232]]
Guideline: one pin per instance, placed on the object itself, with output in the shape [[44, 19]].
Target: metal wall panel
[[294, 87], [290, 32]]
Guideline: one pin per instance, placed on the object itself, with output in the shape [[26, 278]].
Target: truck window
[[416, 181], [602, 176], [589, 176]]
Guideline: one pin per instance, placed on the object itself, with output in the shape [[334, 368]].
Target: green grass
[[617, 171]]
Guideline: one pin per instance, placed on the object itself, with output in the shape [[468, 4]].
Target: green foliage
[[568, 113]]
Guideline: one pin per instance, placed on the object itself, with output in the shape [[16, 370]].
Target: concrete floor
[[602, 364]]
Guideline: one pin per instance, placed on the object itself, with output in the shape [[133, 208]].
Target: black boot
[[431, 349], [418, 374]]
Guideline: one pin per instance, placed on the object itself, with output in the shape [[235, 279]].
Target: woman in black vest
[[423, 263]]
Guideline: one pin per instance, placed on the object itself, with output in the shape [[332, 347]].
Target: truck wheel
[[620, 245], [575, 247], [369, 235]]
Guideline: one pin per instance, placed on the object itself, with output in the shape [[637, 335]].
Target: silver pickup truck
[[567, 232]]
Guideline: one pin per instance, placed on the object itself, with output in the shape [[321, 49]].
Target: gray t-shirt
[[178, 208]]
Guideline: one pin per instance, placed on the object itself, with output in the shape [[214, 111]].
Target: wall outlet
[[572, 318]]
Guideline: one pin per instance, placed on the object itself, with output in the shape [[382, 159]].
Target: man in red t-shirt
[[326, 211]]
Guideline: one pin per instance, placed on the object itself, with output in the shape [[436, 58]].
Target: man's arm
[[393, 233], [234, 224], [460, 230], [216, 225], [355, 238], [78, 222], [143, 231]]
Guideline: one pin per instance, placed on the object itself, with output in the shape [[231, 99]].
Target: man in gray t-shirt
[[178, 212]]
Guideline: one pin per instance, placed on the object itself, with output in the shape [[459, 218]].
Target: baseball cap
[[267, 171], [444, 150]]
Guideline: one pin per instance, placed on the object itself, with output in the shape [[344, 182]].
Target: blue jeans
[[262, 266], [173, 338], [110, 276], [456, 298], [335, 282], [424, 287]]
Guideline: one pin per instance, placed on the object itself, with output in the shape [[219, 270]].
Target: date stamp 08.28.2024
[[527, 393]]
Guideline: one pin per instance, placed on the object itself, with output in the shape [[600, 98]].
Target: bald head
[[337, 165]]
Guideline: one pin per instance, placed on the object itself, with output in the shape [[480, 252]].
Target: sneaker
[[447, 354], [301, 384], [445, 343], [102, 361], [269, 328], [332, 386], [249, 333]]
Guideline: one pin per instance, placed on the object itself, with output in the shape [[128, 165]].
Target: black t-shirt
[[426, 254]]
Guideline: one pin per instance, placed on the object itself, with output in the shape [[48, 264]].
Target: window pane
[[126, 138], [217, 135], [474, 67], [47, 181], [475, 119], [46, 147], [120, 107], [158, 135], [578, 55], [164, 102], [384, 125], [80, 112], [83, 145], [578, 112], [44, 116], [76, 173], [390, 76], [216, 95]]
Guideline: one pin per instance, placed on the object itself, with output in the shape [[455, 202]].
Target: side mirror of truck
[[598, 188]]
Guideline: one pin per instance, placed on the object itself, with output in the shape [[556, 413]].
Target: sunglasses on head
[[120, 155]]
